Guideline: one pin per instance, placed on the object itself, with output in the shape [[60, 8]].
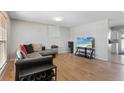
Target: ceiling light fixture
[[58, 19]]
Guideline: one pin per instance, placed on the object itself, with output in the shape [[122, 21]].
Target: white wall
[[99, 30], [30, 32]]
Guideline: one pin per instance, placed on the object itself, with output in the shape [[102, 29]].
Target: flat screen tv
[[85, 42]]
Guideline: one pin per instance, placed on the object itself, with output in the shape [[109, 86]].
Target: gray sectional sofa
[[34, 60]]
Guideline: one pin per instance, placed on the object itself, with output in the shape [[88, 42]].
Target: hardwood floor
[[74, 68], [117, 58], [9, 73]]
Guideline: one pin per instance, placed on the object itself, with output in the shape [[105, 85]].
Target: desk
[[82, 51]]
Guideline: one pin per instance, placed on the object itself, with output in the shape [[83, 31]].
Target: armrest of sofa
[[34, 61], [30, 63]]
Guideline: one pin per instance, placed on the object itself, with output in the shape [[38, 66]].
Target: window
[[3, 39], [53, 35]]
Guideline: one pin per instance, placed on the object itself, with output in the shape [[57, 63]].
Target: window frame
[[3, 39]]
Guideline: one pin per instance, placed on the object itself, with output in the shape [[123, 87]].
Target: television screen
[[85, 42]]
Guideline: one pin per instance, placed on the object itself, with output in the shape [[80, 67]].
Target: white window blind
[[3, 39]]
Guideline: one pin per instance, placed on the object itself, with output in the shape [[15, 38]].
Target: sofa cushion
[[29, 48], [48, 51], [37, 47], [33, 55], [23, 49]]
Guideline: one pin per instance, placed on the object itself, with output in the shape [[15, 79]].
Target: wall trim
[[12, 59], [106, 60]]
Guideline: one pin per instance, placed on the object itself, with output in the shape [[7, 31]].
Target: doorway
[[117, 46]]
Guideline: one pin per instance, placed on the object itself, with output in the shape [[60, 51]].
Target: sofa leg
[[54, 55], [55, 73]]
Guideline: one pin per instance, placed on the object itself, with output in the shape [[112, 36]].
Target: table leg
[[76, 51], [85, 52]]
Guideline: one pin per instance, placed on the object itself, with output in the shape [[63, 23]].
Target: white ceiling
[[71, 18]]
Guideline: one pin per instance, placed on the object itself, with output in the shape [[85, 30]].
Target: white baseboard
[[12, 59], [101, 59], [60, 52]]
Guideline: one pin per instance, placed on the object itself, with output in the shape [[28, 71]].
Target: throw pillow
[[23, 49], [19, 54], [37, 47], [29, 48], [24, 55]]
